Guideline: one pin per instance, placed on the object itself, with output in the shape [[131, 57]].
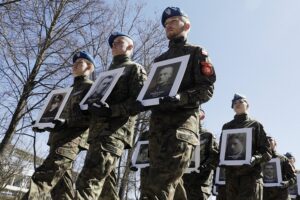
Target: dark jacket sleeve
[[263, 151]]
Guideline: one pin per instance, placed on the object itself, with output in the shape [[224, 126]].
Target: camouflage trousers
[[246, 187], [99, 164], [169, 157], [55, 174], [276, 193]]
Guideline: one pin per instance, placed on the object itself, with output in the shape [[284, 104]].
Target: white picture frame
[[220, 178], [164, 80], [215, 190], [195, 161], [53, 107], [272, 176], [298, 183], [102, 87], [140, 157], [236, 147]]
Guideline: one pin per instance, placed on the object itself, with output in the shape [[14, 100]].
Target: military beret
[[289, 155], [84, 55], [114, 35], [171, 12], [238, 97]]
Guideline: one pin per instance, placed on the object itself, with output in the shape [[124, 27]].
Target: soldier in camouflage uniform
[[174, 123], [198, 186], [66, 139], [288, 177], [112, 124], [292, 160], [245, 182]]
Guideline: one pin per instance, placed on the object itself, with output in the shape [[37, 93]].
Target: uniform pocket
[[187, 136]]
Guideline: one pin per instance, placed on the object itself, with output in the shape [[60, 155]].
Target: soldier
[[288, 176], [66, 139], [112, 124], [174, 123], [198, 186], [292, 160], [245, 182]]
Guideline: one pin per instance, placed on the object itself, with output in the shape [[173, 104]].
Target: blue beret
[[114, 35], [84, 55], [237, 97], [171, 12], [289, 155]]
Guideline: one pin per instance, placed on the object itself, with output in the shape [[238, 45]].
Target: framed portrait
[[140, 158], [220, 176], [164, 80], [195, 161], [272, 176], [53, 107], [236, 147], [101, 88]]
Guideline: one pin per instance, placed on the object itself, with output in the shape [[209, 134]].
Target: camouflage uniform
[[65, 144], [288, 174], [221, 192], [245, 182], [174, 127], [110, 136], [198, 186]]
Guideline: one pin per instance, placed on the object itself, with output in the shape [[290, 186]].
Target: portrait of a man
[[143, 157], [100, 89], [270, 173], [162, 82], [236, 147], [52, 108]]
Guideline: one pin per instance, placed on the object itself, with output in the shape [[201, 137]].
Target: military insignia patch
[[78, 54]]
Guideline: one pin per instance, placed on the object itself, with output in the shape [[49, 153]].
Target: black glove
[[169, 100], [36, 129], [100, 109], [60, 124]]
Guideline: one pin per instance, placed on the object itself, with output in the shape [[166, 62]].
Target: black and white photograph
[[53, 107], [140, 158], [195, 161], [101, 88], [220, 176], [272, 176], [164, 80], [236, 147]]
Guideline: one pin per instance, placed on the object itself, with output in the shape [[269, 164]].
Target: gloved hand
[[169, 100], [284, 184], [100, 109], [253, 161], [59, 124], [36, 129]]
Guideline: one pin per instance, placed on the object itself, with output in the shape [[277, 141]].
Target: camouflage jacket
[[260, 146], [195, 88], [77, 124], [122, 103]]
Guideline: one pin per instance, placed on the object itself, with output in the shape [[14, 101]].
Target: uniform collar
[[241, 118], [180, 41], [120, 59], [79, 79]]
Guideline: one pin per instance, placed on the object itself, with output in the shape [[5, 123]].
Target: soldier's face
[[80, 67], [240, 106], [174, 27], [272, 143], [165, 75], [120, 46]]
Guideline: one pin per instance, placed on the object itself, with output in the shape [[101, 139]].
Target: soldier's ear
[[187, 26]]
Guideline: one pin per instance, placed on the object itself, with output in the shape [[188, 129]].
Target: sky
[[254, 46]]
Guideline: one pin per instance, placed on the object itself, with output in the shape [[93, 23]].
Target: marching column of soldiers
[[105, 130]]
